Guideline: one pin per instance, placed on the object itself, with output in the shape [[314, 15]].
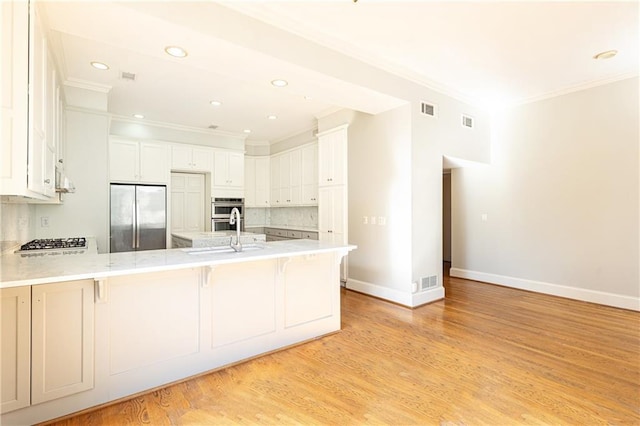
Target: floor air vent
[[429, 109], [428, 282]]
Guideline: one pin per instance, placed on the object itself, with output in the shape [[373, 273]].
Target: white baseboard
[[593, 296], [410, 300]]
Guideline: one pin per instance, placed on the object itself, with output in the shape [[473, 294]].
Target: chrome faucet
[[234, 219]]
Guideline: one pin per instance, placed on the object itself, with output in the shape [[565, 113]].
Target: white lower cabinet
[[62, 339], [155, 328], [47, 342], [15, 322]]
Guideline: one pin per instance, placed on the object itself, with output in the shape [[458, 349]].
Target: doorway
[[446, 221]]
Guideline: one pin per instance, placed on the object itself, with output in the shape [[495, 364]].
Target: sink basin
[[222, 249]]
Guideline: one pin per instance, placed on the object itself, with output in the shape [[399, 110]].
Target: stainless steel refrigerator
[[138, 217]]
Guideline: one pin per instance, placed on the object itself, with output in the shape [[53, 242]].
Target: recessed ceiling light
[[272, 117], [279, 83], [606, 55], [215, 103], [247, 130], [99, 65], [176, 51], [138, 116]]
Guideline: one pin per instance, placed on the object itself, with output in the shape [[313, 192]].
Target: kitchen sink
[[222, 249]]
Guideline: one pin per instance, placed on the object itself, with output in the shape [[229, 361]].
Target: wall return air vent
[[467, 121], [428, 108]]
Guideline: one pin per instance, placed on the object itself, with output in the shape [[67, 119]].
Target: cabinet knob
[[47, 181]]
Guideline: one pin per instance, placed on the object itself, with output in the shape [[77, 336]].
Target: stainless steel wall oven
[[221, 210]]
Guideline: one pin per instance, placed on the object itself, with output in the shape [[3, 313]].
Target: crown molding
[[87, 85], [575, 88], [174, 126]]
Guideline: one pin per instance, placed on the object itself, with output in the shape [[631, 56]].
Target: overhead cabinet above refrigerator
[[138, 217]]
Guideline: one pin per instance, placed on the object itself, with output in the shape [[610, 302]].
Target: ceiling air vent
[[467, 121], [128, 76], [429, 109], [213, 126]]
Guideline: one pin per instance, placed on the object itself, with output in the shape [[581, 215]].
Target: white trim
[[174, 126], [313, 130], [572, 89], [393, 295], [87, 85], [249, 142], [427, 296], [586, 295], [332, 130], [328, 112]]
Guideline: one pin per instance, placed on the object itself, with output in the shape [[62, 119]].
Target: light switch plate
[[382, 220], [373, 220]]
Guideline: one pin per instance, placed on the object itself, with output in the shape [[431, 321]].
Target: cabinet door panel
[[201, 159], [136, 324], [62, 338], [154, 163], [15, 320], [262, 179], [236, 169], [308, 290], [123, 160], [180, 157], [250, 179], [240, 309]]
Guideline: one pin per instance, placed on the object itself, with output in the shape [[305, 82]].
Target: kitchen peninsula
[[90, 329]]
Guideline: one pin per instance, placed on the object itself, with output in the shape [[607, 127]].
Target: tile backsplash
[[290, 216], [17, 223]]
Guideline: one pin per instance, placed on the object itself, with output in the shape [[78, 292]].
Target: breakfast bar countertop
[[17, 271]]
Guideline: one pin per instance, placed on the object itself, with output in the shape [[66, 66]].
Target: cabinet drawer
[[310, 235], [294, 234], [276, 232]]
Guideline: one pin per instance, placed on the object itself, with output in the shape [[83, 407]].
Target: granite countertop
[[16, 270], [287, 227]]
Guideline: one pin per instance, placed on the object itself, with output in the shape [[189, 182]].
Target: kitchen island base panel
[[242, 310]]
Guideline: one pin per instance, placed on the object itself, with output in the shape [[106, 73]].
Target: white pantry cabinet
[[134, 161], [309, 173], [332, 156], [228, 174], [332, 214], [256, 179], [15, 320], [29, 119], [191, 158], [187, 202]]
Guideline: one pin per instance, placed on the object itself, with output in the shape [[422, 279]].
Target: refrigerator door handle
[[137, 216], [134, 226]]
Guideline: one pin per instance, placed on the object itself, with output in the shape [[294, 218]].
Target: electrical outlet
[[365, 220], [382, 220], [484, 217], [44, 221], [373, 220], [23, 223]]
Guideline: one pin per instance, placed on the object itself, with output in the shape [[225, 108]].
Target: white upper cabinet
[[133, 161], [228, 174], [332, 156], [294, 177], [256, 181], [191, 158], [29, 119]]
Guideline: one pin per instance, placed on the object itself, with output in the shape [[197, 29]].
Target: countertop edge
[[207, 261]]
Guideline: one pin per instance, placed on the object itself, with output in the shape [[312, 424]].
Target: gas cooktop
[[55, 244]]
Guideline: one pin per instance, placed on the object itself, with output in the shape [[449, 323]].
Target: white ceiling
[[487, 53]]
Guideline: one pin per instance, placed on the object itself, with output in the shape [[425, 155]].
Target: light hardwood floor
[[485, 355]]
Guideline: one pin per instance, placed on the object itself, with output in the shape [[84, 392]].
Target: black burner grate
[[55, 243]]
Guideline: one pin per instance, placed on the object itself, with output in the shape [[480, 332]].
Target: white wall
[[85, 212], [561, 198], [379, 166]]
